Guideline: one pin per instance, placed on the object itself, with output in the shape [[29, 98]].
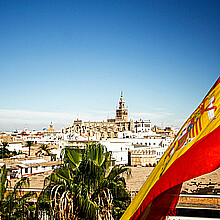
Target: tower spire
[[121, 112]]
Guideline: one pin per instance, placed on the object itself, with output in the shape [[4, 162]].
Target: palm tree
[[84, 187], [3, 182], [29, 144], [4, 152], [13, 205], [3, 186], [44, 149]]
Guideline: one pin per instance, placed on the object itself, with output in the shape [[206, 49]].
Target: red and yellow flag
[[194, 152]]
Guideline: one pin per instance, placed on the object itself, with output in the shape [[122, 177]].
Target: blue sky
[[60, 59]]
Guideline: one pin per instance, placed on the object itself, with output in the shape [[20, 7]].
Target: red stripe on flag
[[200, 124], [193, 135], [196, 125], [190, 132], [203, 157], [165, 202]]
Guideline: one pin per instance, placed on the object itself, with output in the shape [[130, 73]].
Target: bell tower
[[121, 111]]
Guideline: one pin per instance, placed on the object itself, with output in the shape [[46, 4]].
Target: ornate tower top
[[121, 112], [122, 102]]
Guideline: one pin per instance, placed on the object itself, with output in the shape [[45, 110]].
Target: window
[[26, 170]]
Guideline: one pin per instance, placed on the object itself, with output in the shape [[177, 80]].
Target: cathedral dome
[[51, 129]]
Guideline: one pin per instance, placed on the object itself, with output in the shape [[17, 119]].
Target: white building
[[119, 149], [15, 146], [135, 142], [142, 125], [30, 167]]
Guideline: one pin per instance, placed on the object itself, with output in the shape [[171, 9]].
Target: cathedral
[[104, 130]]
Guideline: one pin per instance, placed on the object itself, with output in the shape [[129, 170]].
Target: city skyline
[[36, 120], [60, 60]]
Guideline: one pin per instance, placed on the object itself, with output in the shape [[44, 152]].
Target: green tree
[[12, 204], [84, 186], [4, 152], [44, 149], [3, 183], [4, 149], [29, 144]]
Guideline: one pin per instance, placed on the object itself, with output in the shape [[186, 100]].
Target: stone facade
[[167, 131], [143, 157], [142, 125]]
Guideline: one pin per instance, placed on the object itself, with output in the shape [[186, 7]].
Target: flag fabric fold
[[195, 151]]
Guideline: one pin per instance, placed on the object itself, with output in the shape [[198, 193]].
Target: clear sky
[[60, 59]]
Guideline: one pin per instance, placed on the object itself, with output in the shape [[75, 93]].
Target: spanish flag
[[194, 152]]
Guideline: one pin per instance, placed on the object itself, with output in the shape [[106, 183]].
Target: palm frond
[[4, 182]]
